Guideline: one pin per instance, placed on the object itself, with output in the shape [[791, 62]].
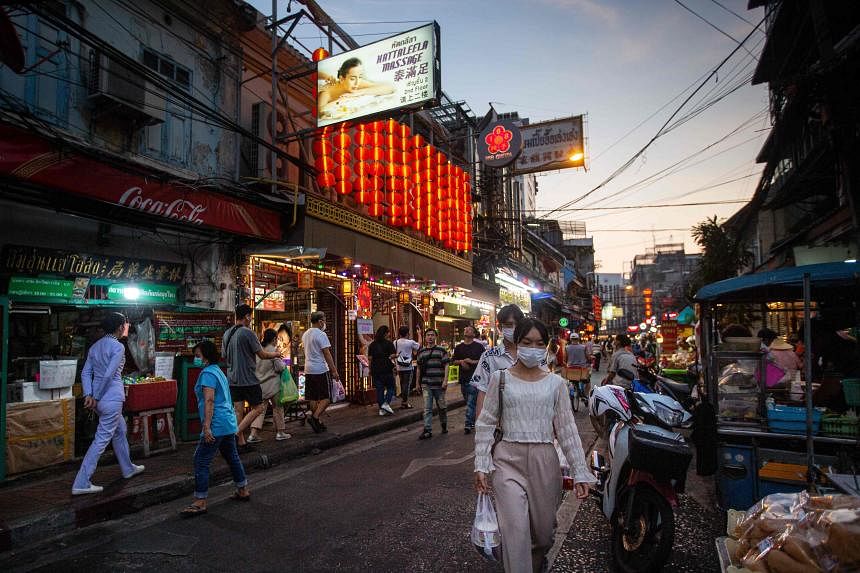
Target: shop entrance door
[[335, 314]]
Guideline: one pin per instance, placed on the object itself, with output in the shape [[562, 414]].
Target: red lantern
[[319, 54], [391, 126], [342, 173], [343, 187], [341, 139], [322, 146], [417, 141], [341, 156], [376, 208], [324, 163], [404, 131], [326, 179]]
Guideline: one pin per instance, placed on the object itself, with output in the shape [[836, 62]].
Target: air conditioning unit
[[137, 98], [259, 157]]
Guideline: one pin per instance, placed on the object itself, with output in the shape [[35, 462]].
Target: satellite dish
[[11, 52]]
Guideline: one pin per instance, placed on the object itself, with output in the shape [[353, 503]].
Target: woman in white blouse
[[524, 464]]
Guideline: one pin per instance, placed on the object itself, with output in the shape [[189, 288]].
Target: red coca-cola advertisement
[[37, 160]]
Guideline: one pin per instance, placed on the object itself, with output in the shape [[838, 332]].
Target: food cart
[[781, 434]]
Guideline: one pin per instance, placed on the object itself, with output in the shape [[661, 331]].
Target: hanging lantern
[[343, 173], [343, 187], [322, 146], [341, 156], [326, 179], [391, 126], [319, 54], [324, 163], [403, 131], [341, 139], [376, 208]]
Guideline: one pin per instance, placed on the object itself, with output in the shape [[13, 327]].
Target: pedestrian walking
[[214, 401], [432, 380], [320, 369], [382, 354], [531, 407], [269, 374], [241, 349], [104, 394], [499, 357], [466, 357], [406, 349]]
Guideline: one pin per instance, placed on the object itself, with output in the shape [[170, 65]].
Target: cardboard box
[[39, 434]]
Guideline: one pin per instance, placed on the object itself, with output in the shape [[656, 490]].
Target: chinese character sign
[[401, 71], [552, 145]]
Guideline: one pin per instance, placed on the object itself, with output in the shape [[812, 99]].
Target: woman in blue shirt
[[219, 429], [101, 379]]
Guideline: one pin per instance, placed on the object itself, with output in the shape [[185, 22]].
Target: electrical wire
[[729, 10], [712, 25], [660, 132]]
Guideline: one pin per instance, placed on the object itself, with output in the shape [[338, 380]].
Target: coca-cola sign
[[180, 209], [29, 157]]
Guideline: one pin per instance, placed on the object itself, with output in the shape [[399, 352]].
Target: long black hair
[[381, 333]]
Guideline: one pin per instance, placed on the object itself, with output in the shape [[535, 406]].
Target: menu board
[[181, 331]]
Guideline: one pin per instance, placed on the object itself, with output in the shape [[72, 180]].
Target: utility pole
[[274, 122]]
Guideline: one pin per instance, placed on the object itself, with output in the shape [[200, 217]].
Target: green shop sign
[[85, 291], [142, 293], [49, 289]]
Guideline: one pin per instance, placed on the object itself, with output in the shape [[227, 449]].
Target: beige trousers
[[527, 482]]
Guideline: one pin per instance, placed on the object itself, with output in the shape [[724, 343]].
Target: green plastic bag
[[288, 392]]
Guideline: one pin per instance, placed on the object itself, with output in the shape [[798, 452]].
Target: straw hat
[[781, 344]]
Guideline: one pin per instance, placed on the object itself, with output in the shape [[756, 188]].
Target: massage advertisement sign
[[400, 72]]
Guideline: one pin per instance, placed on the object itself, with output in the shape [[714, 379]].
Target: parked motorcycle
[[679, 391], [647, 466]]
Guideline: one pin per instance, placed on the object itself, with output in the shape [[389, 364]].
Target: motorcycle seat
[[677, 388]]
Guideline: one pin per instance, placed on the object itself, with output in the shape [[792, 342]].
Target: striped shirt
[[432, 362]]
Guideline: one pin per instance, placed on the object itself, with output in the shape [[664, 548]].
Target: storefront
[[453, 313]]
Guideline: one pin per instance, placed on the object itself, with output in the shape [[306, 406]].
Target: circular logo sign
[[562, 322], [500, 143]]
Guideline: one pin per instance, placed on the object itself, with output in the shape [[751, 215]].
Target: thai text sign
[[400, 71], [180, 332], [31, 260], [552, 145]]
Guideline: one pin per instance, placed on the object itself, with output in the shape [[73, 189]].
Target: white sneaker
[[382, 412], [280, 436], [387, 407], [86, 490], [137, 470], [253, 439]]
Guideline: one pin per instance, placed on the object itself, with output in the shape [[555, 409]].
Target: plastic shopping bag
[[338, 392], [485, 530], [288, 392]]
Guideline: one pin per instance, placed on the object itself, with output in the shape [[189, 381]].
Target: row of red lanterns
[[399, 177]]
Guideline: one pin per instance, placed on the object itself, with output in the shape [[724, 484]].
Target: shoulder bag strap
[[498, 432]]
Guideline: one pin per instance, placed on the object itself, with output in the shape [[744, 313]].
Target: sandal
[[192, 510], [236, 496]]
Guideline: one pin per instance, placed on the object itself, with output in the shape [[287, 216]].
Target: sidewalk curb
[[20, 533]]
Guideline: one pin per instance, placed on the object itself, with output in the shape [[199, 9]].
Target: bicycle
[[577, 378]]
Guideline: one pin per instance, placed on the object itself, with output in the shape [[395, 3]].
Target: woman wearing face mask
[[219, 429], [104, 393], [499, 357], [524, 463]]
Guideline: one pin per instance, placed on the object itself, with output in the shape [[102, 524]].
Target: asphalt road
[[387, 503]]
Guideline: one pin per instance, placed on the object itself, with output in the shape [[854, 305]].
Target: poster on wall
[[398, 72]]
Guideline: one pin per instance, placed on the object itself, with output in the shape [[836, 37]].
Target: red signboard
[[597, 306], [36, 160], [669, 331]]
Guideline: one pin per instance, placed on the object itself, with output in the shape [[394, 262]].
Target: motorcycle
[[647, 467], [678, 391]]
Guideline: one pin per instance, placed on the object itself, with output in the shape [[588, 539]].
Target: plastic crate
[[840, 426], [851, 389], [791, 420], [150, 396]]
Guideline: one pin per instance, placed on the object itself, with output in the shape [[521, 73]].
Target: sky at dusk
[[619, 62]]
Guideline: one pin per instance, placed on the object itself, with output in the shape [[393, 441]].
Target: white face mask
[[508, 334], [530, 357]]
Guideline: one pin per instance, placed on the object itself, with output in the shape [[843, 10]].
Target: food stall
[[780, 431]]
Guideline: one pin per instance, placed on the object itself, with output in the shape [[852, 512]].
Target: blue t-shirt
[[223, 415]]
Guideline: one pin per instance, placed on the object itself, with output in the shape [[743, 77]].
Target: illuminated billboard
[[402, 71]]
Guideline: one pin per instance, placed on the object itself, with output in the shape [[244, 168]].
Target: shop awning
[[365, 249], [781, 284]]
